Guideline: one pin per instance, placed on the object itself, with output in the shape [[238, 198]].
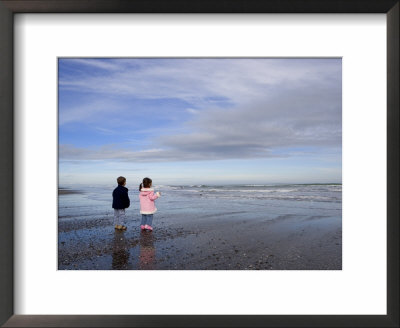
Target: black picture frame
[[10, 7]]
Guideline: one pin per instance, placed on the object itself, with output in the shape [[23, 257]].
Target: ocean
[[211, 201]]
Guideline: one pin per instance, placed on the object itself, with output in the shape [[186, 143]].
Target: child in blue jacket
[[120, 203]]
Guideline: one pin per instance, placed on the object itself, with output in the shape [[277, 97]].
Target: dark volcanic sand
[[285, 243]]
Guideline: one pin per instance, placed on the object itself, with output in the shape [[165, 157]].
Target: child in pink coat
[[147, 206]]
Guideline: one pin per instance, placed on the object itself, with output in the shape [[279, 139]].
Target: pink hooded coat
[[147, 198]]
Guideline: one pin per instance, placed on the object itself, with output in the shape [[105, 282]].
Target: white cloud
[[88, 111], [105, 64], [196, 80], [246, 108], [192, 111]]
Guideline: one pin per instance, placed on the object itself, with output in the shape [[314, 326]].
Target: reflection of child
[[120, 203], [147, 206], [147, 256], [120, 254]]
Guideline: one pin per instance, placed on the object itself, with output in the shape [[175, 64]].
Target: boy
[[120, 203]]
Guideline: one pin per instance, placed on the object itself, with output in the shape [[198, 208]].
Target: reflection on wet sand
[[147, 255], [120, 254]]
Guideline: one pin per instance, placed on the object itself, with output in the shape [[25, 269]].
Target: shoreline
[[66, 191]]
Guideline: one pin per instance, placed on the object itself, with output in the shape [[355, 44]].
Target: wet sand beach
[[285, 243], [236, 227]]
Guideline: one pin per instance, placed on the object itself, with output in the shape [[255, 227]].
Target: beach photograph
[[199, 163]]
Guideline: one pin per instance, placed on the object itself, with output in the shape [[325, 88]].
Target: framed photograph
[[266, 152], [199, 164]]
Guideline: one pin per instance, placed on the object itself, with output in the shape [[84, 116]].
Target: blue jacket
[[120, 198]]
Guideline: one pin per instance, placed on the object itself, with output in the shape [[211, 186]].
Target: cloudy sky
[[184, 121]]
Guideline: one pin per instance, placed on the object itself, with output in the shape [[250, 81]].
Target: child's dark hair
[[145, 184], [121, 180]]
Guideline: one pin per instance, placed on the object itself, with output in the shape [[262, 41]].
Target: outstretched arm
[[154, 196]]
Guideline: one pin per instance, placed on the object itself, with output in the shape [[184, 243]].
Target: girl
[[147, 206]]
